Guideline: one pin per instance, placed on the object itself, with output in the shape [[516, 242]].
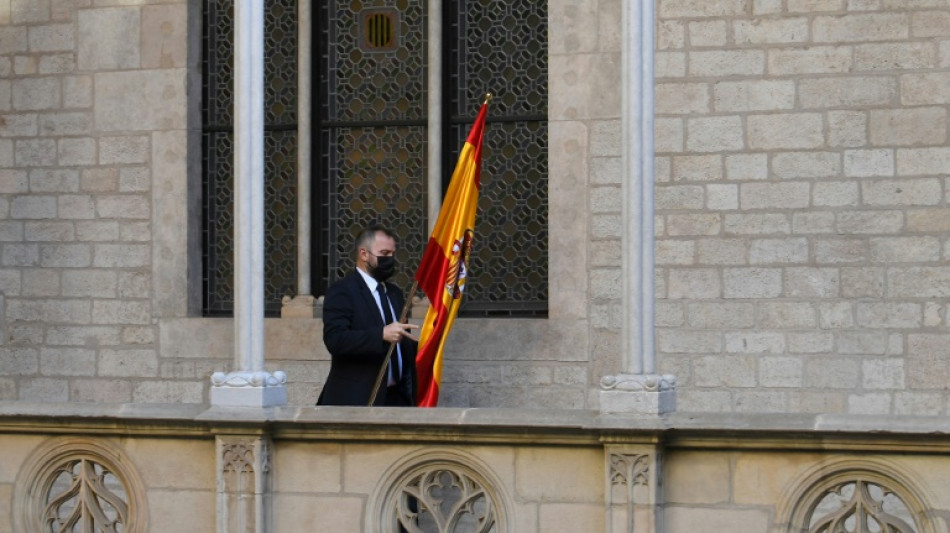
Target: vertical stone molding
[[633, 492], [638, 389], [244, 484]]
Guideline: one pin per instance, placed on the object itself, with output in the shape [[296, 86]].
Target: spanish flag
[[444, 266]]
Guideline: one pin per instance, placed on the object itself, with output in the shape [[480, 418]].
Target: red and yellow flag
[[442, 272]]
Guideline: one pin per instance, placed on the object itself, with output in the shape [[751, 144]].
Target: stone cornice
[[488, 426]]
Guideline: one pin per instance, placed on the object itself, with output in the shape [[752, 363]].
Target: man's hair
[[368, 236]]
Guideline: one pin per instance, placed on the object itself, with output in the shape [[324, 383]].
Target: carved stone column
[[634, 501], [248, 385], [638, 389], [303, 305], [244, 484]]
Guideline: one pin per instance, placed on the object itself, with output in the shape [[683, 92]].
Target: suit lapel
[[367, 298]]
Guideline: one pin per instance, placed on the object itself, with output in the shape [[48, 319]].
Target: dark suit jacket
[[353, 333]]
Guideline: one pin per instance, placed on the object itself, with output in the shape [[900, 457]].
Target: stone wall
[[801, 193], [290, 470], [802, 204]]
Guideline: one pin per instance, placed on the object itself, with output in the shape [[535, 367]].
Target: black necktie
[[388, 319]]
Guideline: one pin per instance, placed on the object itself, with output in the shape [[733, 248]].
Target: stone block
[[847, 128], [123, 150], [905, 56], [812, 223], [918, 404], [928, 88], [34, 152], [570, 517], [682, 98], [33, 207], [810, 282], [19, 361], [40, 282], [128, 363], [20, 255], [65, 255], [694, 283], [707, 33], [164, 36], [689, 341], [810, 60], [99, 179], [121, 255], [780, 371], [588, 93], [717, 315], [721, 251], [815, 6], [108, 38], [752, 282], [121, 312], [89, 283], [861, 27], [935, 219], [831, 373], [11, 231], [798, 165], [141, 100], [923, 161], [722, 63], [76, 152], [840, 250], [36, 94], [127, 206], [771, 195], [882, 374], [746, 167], [771, 30], [785, 131], [97, 230], [673, 9], [669, 252], [734, 371], [67, 362], [605, 200], [176, 510], [870, 222], [927, 361], [52, 38], [785, 315], [918, 282], [165, 391], [693, 224], [846, 92], [908, 127], [875, 403], [778, 251], [722, 196], [904, 249], [905, 192], [82, 336], [77, 92], [835, 194], [46, 230], [714, 134], [75, 206], [763, 479], [134, 284], [54, 180], [889, 315], [559, 475], [344, 511], [813, 342], [757, 224], [862, 342], [697, 168], [755, 342], [44, 390]]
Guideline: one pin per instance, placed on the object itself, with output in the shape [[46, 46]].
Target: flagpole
[[402, 318]]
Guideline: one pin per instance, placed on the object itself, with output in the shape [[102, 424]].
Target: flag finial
[[488, 97]]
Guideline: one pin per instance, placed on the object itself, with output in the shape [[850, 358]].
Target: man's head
[[375, 243]]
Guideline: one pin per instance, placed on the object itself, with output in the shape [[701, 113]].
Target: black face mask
[[384, 269]]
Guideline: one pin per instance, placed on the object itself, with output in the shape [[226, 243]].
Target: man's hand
[[397, 331]]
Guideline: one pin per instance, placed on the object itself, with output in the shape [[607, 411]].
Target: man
[[358, 329]]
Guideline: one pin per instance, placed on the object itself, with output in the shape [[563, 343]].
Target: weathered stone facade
[[802, 196]]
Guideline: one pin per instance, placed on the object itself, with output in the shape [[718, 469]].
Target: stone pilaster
[[244, 484], [634, 501]]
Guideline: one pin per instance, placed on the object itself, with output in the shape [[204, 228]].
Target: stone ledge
[[510, 426]]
